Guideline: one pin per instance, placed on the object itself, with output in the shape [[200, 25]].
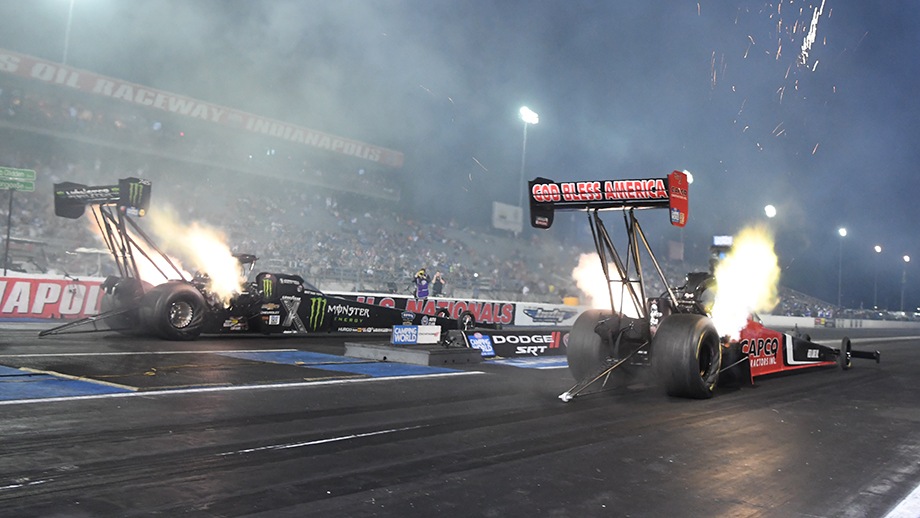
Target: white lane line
[[907, 508], [150, 352], [25, 484], [198, 390], [318, 441]]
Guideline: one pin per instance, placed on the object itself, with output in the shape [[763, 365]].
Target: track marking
[[317, 441], [78, 378], [26, 484], [198, 390]]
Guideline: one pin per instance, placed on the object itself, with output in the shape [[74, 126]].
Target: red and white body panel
[[770, 352]]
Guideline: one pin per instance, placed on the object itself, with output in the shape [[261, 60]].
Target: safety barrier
[[35, 296]]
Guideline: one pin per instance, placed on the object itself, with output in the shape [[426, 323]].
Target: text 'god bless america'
[[608, 190]]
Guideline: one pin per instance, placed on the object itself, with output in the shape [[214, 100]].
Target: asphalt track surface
[[109, 425]]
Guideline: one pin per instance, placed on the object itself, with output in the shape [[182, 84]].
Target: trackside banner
[[411, 335], [513, 343], [547, 196], [24, 298], [53, 73], [485, 312]]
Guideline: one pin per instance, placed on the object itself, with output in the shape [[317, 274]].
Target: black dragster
[[183, 309]]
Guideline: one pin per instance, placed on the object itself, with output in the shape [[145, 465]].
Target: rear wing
[[547, 196], [131, 196]]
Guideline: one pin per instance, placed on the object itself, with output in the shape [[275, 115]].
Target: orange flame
[[200, 246], [203, 247], [147, 269], [748, 280], [589, 278]]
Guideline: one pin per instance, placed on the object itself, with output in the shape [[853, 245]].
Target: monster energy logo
[[135, 193], [267, 285], [291, 303], [317, 312]]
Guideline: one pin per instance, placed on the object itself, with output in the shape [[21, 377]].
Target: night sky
[[624, 89]]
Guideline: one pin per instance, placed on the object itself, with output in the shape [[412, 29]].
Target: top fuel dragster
[[673, 334], [183, 308]]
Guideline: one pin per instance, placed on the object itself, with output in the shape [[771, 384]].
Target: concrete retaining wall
[[780, 321]]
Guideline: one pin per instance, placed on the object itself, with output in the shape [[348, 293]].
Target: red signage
[[483, 312], [32, 298], [607, 190], [679, 198]]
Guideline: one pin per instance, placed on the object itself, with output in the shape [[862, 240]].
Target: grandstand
[[332, 216]]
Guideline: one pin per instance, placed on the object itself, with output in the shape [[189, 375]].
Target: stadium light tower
[[843, 233], [904, 280], [529, 117], [878, 251], [67, 32]]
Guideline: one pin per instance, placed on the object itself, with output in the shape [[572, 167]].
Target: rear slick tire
[[174, 310], [586, 351], [126, 293], [687, 354]]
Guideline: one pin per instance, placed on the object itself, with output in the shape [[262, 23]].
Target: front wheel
[[466, 321], [687, 355], [174, 310], [844, 358]]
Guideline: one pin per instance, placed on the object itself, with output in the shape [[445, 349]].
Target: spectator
[[437, 285], [422, 281]]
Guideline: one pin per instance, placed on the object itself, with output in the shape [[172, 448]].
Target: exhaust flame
[[747, 279], [147, 269], [589, 278], [197, 244], [203, 247]]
